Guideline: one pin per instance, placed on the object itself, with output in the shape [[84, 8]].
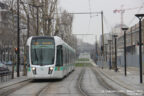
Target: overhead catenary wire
[[122, 11], [81, 13], [89, 7], [140, 8], [108, 25], [89, 25]]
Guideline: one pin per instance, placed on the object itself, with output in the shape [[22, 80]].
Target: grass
[[80, 64], [83, 64], [83, 59]]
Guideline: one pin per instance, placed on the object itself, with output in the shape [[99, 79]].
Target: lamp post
[[140, 16], [18, 40], [109, 41], [28, 20], [115, 37], [37, 7], [125, 64]]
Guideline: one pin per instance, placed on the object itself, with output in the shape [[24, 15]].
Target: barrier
[[5, 75]]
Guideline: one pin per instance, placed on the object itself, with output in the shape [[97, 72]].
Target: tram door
[[59, 61]]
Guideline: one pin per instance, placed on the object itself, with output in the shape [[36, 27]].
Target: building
[[132, 39]]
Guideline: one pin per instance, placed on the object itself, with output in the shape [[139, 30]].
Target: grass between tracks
[[83, 65], [83, 62], [83, 59]]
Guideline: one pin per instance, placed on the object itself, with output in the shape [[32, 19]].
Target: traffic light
[[16, 50]]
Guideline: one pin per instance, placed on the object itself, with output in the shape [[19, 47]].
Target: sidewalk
[[13, 81], [129, 84]]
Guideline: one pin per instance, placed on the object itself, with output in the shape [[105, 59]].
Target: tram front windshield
[[42, 51]]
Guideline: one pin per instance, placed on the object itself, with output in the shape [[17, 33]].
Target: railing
[[5, 75]]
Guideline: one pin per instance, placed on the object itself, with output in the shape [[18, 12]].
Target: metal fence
[[5, 76], [132, 61]]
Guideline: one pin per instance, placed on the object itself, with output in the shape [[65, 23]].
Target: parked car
[[3, 67], [9, 63]]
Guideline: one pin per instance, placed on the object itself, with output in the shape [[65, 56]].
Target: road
[[90, 84]]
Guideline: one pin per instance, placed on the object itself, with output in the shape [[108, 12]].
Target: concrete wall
[[132, 61]]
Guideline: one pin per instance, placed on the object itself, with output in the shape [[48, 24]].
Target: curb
[[117, 81], [12, 82]]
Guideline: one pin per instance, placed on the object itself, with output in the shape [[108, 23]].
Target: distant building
[[107, 36], [132, 39], [117, 30]]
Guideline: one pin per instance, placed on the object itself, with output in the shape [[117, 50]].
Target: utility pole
[[106, 51], [96, 46], [37, 20], [28, 27], [18, 40], [102, 32]]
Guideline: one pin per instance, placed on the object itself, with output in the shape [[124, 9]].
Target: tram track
[[57, 83], [41, 90], [79, 82], [8, 90], [105, 84]]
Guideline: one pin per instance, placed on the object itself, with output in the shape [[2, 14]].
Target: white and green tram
[[49, 57]]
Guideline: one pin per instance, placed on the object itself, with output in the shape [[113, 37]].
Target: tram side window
[[59, 61], [65, 56], [27, 56]]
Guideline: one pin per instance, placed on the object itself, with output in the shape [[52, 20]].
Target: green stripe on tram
[[59, 68], [55, 68]]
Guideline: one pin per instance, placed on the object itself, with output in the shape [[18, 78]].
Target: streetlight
[[109, 41], [18, 40], [125, 65], [37, 7], [140, 16], [116, 69], [49, 19], [28, 20]]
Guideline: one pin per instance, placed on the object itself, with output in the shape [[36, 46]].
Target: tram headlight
[[51, 68], [33, 68]]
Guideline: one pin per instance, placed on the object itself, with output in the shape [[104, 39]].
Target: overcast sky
[[91, 24]]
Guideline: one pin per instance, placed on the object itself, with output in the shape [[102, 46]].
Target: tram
[[49, 57]]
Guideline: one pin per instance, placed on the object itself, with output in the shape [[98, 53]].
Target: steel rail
[[81, 90], [103, 83]]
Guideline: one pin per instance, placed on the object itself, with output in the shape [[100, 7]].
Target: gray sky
[[86, 24]]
